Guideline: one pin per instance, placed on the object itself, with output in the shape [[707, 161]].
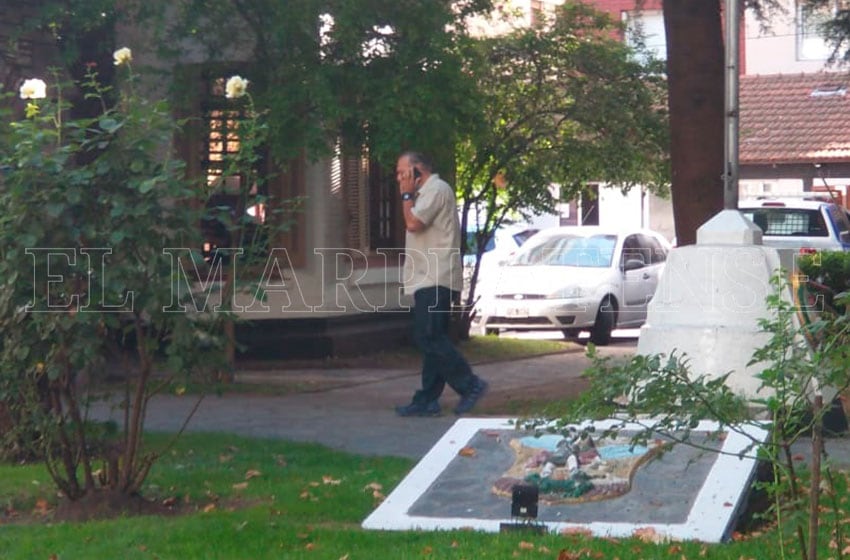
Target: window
[[208, 143], [645, 31], [385, 225], [811, 42]]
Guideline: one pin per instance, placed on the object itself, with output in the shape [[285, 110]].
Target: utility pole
[[730, 106]]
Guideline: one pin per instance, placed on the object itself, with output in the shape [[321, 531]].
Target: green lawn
[[257, 499]]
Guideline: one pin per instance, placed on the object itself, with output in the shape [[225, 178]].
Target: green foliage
[[829, 268], [380, 74], [562, 103], [90, 207]]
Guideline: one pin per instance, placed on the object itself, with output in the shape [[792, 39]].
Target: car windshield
[[593, 251], [788, 221]]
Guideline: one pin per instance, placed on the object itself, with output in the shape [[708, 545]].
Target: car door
[[640, 278]]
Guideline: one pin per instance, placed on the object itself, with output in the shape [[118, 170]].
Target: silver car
[[573, 279]]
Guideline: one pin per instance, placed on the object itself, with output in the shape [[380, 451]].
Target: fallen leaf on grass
[[225, 458], [523, 545], [374, 486], [240, 486], [252, 473], [170, 502], [208, 508], [577, 531], [41, 507], [330, 480]]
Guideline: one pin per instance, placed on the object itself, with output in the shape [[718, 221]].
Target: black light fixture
[[524, 501]]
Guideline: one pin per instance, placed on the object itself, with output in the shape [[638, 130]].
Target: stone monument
[[711, 297]]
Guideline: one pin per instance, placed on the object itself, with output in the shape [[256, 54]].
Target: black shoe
[[419, 409], [467, 401]]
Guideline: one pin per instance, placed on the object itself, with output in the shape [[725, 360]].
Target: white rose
[[122, 56], [33, 89], [236, 87]]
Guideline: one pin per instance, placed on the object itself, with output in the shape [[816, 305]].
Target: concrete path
[[358, 415]]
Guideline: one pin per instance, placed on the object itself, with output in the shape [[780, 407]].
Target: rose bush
[[96, 213]]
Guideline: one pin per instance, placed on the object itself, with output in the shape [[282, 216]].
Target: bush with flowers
[[99, 229]]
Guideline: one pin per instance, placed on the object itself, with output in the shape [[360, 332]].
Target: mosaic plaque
[[607, 486]]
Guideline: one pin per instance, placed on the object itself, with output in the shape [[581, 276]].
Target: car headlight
[[569, 292]]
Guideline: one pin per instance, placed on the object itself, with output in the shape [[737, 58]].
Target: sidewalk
[[356, 414]]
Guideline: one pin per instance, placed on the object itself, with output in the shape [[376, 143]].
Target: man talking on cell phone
[[433, 275]]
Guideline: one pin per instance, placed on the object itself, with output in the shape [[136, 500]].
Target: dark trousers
[[442, 363]]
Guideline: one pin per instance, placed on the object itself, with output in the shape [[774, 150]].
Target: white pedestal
[[710, 299]]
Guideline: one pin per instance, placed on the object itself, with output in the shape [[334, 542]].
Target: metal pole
[[730, 137]]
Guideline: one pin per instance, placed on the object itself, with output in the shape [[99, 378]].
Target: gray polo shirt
[[432, 255]]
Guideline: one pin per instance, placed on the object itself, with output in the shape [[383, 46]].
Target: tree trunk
[[695, 74]]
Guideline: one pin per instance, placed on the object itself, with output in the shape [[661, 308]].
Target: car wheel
[[491, 332], [606, 318]]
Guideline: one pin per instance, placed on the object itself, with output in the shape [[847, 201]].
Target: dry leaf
[[344, 557], [675, 549], [579, 531], [208, 508], [647, 534], [309, 546], [41, 506], [567, 555], [240, 486], [252, 473], [523, 545], [169, 502], [280, 460], [427, 550], [314, 484], [304, 495], [454, 544], [330, 480], [143, 548], [467, 452], [225, 458], [373, 486]]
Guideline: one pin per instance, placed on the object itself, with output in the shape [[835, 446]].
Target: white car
[[573, 279], [806, 224]]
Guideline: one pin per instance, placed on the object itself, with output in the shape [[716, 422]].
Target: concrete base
[[709, 302]]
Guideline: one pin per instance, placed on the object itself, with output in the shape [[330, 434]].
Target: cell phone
[[416, 173]]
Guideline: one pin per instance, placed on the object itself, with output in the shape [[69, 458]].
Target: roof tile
[[783, 122]]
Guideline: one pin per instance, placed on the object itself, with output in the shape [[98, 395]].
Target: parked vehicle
[[806, 224], [499, 248], [573, 279]]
